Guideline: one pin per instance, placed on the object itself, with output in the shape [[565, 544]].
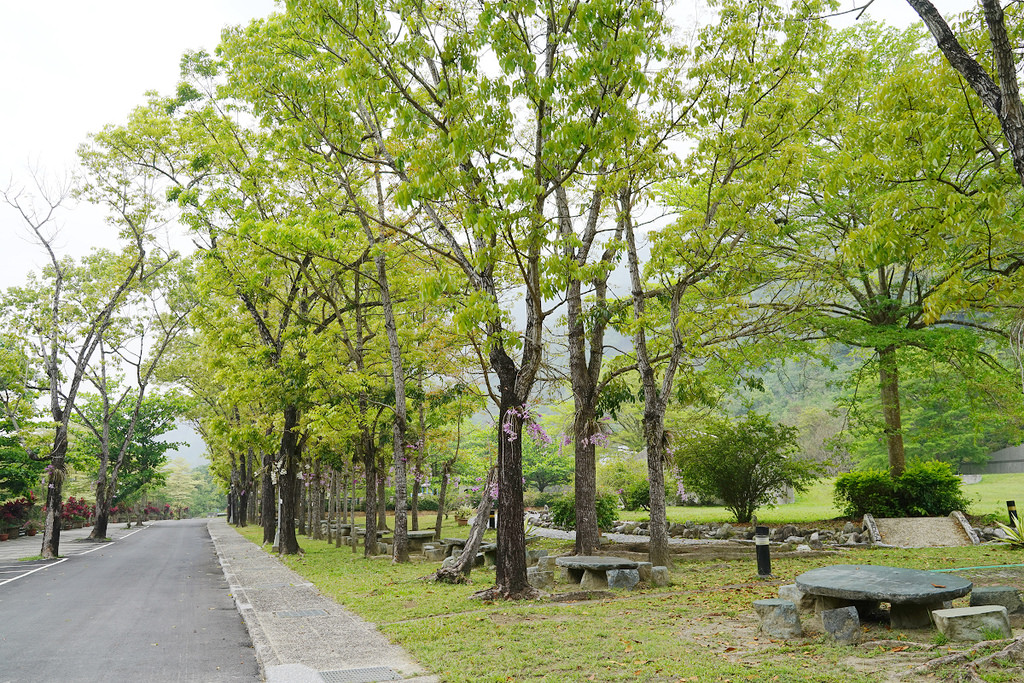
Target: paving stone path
[[301, 635]]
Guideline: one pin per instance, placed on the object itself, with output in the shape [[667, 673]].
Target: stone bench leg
[[573, 575], [909, 615], [824, 603], [594, 579]]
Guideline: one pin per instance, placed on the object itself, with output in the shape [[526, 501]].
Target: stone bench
[[778, 618], [1007, 596], [597, 572], [488, 555], [985, 622], [912, 594], [453, 546]]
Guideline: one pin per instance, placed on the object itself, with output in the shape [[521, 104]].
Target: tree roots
[[967, 669], [495, 593]]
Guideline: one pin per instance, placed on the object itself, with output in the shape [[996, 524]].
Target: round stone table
[[911, 593]]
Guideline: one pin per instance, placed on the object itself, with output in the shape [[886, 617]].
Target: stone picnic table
[[448, 543], [591, 571], [381, 533], [417, 539], [911, 593]]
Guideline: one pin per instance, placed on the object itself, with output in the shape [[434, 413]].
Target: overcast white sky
[[70, 67]]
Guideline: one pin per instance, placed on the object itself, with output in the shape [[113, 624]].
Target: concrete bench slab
[[973, 624]]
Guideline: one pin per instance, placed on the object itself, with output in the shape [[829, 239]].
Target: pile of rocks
[[850, 535], [987, 533]]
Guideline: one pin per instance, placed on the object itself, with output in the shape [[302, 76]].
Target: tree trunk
[[339, 507], [510, 572], [418, 469], [585, 374], [400, 548], [654, 436], [655, 396], [268, 500], [54, 499], [103, 503], [352, 509], [332, 503], [588, 536], [459, 571], [382, 502], [441, 500], [1000, 94], [303, 485], [370, 503], [289, 482], [889, 383], [414, 504], [243, 493], [316, 501], [252, 489]]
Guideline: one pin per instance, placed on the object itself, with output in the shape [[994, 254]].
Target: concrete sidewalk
[[299, 634]]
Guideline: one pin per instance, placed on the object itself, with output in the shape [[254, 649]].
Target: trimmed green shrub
[[925, 489], [539, 499], [931, 488], [637, 496], [871, 491], [425, 503], [563, 510]]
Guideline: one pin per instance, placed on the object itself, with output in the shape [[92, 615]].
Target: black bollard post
[[1011, 509], [764, 557]]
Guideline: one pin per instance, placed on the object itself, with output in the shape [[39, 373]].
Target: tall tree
[[66, 311], [898, 230], [441, 119], [749, 103]]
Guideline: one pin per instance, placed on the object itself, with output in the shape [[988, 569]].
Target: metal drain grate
[[302, 613], [368, 675]]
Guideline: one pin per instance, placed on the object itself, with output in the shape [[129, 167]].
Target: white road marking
[[66, 558], [45, 566]]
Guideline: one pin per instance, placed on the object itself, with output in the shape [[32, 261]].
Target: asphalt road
[[153, 607]]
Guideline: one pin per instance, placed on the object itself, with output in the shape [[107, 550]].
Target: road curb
[[298, 634], [260, 642]]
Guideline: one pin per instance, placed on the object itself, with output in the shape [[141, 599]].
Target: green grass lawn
[[701, 628], [990, 496], [987, 497]]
